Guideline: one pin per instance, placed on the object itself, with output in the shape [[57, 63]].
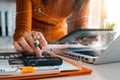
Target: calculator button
[[2, 57], [7, 57], [11, 56]]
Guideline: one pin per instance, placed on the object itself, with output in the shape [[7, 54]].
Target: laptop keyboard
[[88, 53]]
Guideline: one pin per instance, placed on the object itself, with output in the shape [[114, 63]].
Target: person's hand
[[26, 43]]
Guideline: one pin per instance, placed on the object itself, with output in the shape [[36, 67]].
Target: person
[[45, 21]]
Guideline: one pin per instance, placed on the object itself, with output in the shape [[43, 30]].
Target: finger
[[34, 35], [25, 45], [42, 40], [28, 37], [37, 51], [38, 36], [18, 47]]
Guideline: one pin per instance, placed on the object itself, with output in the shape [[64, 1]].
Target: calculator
[[26, 59], [45, 60]]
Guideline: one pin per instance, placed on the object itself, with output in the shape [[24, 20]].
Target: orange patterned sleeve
[[23, 18]]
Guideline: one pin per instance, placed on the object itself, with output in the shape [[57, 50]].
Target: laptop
[[95, 55]]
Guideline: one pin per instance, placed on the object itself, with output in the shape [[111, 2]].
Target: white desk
[[100, 72]]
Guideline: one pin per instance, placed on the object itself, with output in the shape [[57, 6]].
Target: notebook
[[95, 56]]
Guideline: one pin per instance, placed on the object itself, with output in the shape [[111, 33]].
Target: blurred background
[[7, 17], [99, 14]]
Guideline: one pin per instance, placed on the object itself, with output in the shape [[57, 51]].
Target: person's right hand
[[26, 43]]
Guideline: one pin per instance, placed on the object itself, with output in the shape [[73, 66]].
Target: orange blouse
[[49, 19]]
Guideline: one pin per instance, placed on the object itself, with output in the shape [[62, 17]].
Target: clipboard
[[81, 71]]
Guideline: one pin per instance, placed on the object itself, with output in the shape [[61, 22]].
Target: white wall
[[94, 16], [7, 5]]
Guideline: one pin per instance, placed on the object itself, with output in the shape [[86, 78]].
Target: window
[[103, 11]]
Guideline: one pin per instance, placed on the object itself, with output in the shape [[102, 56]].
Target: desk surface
[[100, 72]]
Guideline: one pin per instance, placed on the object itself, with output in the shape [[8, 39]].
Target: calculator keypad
[[30, 59], [45, 60]]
